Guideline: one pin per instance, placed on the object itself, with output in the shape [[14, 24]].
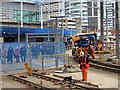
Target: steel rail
[[77, 83], [53, 79], [105, 66], [28, 83]]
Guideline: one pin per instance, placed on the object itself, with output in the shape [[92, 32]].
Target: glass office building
[[31, 13]]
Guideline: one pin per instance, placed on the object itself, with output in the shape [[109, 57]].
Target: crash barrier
[[14, 55]]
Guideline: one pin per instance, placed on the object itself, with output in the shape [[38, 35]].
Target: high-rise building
[[77, 9], [93, 15], [109, 15], [53, 8], [86, 13]]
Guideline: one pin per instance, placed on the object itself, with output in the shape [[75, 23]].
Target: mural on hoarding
[[14, 55], [13, 52]]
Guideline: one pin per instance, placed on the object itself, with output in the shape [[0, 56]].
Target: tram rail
[[105, 66], [38, 80]]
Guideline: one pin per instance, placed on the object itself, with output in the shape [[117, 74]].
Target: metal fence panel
[[13, 55], [37, 55]]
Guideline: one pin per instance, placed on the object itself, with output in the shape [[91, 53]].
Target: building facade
[[109, 15], [88, 13], [76, 9], [31, 12], [84, 11]]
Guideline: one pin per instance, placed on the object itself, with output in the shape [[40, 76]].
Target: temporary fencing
[[37, 55], [54, 60]]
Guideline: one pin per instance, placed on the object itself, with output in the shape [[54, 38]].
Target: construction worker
[[100, 46], [90, 51], [84, 65], [77, 52]]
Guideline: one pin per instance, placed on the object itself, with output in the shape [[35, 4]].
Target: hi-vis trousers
[[85, 72], [84, 75]]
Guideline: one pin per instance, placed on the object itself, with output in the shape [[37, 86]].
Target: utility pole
[[18, 31], [101, 21], [48, 31], [56, 26], [62, 29], [106, 27], [41, 16], [117, 29], [21, 13], [56, 35]]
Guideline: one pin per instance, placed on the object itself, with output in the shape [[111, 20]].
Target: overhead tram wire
[[46, 7]]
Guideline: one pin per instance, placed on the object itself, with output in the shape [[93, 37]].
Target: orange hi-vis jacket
[[84, 63]]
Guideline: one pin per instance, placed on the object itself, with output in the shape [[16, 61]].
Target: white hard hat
[[82, 53]]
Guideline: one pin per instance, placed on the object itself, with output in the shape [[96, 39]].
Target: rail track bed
[[105, 66], [51, 82]]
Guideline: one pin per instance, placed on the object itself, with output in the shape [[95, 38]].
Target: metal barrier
[[37, 55], [13, 55], [53, 60]]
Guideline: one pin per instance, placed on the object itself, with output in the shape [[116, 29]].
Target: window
[[95, 4], [95, 11], [89, 4], [89, 11], [84, 11], [28, 16], [85, 14]]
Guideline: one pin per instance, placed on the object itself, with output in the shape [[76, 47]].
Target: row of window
[[28, 16]]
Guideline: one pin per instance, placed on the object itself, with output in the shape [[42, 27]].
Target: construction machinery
[[82, 40]]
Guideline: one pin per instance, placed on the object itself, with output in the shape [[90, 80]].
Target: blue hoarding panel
[[23, 30]]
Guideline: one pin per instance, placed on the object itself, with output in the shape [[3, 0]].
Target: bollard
[[28, 68]]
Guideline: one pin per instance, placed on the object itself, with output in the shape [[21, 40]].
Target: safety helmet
[[82, 53]]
